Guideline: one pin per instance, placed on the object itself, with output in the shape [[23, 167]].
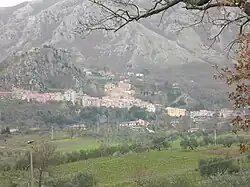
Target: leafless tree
[[113, 15], [71, 132], [44, 154]]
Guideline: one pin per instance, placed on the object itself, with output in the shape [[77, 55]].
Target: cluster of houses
[[136, 125], [117, 96], [200, 114]]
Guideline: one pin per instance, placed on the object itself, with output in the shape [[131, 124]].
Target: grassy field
[[120, 171], [63, 142], [176, 144], [76, 144]]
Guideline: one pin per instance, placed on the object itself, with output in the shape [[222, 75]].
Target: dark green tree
[[227, 141], [208, 140], [218, 165], [160, 143], [190, 143]]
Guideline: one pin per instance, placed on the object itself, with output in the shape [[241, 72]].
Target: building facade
[[176, 112]]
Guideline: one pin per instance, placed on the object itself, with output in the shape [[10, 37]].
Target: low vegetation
[[155, 160]]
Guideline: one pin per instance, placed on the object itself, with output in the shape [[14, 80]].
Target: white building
[[124, 85], [14, 130], [139, 75], [226, 113], [137, 123], [191, 130], [150, 108], [79, 126], [58, 96], [202, 113], [70, 95], [130, 73], [88, 73]]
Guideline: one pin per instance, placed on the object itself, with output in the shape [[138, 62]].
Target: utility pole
[[97, 123], [97, 127], [31, 169], [215, 134], [117, 126], [31, 163], [52, 133]]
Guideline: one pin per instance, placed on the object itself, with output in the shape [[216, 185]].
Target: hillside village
[[120, 95], [117, 96]]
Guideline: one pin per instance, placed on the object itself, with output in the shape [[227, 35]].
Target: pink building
[[5, 94], [40, 97]]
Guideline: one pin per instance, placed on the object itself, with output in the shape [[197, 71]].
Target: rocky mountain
[[169, 53]]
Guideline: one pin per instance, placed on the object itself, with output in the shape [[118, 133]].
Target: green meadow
[[113, 171], [121, 170]]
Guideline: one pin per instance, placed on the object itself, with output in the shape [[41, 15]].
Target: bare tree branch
[[151, 12], [126, 11], [231, 45], [123, 16], [225, 24], [118, 13], [196, 22], [211, 5], [243, 25]]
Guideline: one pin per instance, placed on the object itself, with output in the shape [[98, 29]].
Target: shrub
[[190, 143], [248, 156], [84, 179], [173, 137], [81, 179], [124, 148], [202, 143], [227, 141], [228, 180], [218, 165], [151, 180], [208, 140], [138, 148], [241, 139], [160, 143]]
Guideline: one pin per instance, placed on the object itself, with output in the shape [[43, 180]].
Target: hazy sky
[[6, 3]]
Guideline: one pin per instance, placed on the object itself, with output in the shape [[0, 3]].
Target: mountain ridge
[[161, 49]]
